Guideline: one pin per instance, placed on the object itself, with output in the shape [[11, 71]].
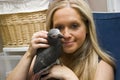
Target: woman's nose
[[66, 33]]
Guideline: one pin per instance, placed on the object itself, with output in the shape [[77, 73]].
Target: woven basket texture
[[16, 29]]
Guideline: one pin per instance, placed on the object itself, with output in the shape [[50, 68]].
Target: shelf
[[14, 51]]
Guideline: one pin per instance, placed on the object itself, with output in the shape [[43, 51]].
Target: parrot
[[49, 56]]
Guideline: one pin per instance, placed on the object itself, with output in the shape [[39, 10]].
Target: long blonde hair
[[84, 61]]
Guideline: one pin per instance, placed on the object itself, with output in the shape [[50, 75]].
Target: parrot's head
[[54, 36]]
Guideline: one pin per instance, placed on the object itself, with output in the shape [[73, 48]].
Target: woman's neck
[[66, 59]]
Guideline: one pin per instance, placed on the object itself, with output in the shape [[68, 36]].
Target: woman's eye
[[60, 27], [74, 26]]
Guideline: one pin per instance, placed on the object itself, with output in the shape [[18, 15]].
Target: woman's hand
[[60, 72], [39, 40]]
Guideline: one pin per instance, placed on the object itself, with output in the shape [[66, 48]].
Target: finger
[[49, 77], [42, 34], [40, 40], [45, 72], [40, 46]]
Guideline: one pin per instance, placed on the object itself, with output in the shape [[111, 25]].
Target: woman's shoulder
[[103, 64], [104, 71]]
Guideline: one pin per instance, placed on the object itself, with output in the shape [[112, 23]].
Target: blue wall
[[108, 31]]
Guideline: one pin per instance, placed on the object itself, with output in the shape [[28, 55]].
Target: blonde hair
[[85, 60]]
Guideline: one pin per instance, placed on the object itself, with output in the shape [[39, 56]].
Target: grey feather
[[48, 56]]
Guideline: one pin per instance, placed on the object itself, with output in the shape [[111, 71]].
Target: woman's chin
[[68, 51]]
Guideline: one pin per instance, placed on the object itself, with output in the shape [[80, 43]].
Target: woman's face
[[69, 22]]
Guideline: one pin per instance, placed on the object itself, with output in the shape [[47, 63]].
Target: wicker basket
[[16, 29]]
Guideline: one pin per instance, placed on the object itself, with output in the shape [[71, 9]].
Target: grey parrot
[[48, 56]]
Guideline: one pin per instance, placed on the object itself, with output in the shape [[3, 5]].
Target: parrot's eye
[[54, 36]]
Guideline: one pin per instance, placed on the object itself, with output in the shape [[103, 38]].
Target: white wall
[[98, 5], [116, 5], [105, 5]]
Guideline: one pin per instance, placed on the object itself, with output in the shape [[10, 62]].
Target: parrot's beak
[[60, 36]]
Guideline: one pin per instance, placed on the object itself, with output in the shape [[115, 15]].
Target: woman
[[82, 57]]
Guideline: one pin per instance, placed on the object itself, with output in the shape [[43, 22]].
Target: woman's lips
[[68, 44]]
